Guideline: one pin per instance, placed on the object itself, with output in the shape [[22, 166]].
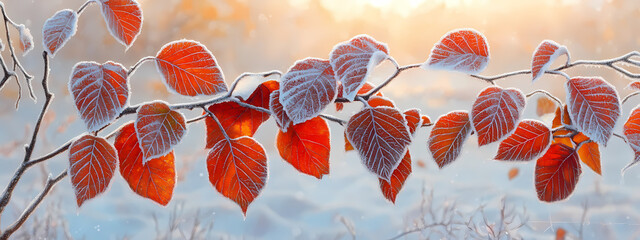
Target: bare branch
[[17, 63], [248, 74], [32, 207]]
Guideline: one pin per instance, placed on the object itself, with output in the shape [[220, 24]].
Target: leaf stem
[[81, 9], [140, 62], [248, 74]]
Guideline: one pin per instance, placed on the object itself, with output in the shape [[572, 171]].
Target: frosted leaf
[[448, 135], [123, 18], [463, 50], [58, 29], [496, 112], [158, 129], [594, 107], [92, 161], [26, 39], [546, 53]]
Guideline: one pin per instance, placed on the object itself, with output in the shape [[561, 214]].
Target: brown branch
[[6, 195], [28, 77], [81, 9], [32, 207]]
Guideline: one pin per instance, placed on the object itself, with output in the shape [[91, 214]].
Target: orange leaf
[[463, 50], [529, 140], [58, 29], [547, 52], [123, 18], [631, 131], [189, 68], [391, 188], [594, 107], [376, 101], [306, 147], [237, 120], [363, 90], [354, 60], [381, 137], [448, 136], [158, 129], [426, 120], [496, 112], [513, 173], [413, 119], [545, 106], [566, 120], [634, 86], [238, 169], [557, 173], [307, 88], [282, 120], [100, 92], [589, 154], [92, 161], [561, 234], [154, 180], [347, 144]]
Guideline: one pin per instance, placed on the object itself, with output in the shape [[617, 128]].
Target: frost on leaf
[[155, 179], [363, 90], [158, 129], [100, 92], [306, 146], [354, 60], [307, 88], [635, 86], [238, 169], [381, 137], [58, 29], [448, 136], [529, 140], [282, 120], [376, 101], [594, 107], [546, 53], [188, 68], [123, 18], [414, 119], [237, 120], [391, 188], [496, 112], [26, 39], [631, 131], [557, 173], [463, 50], [92, 161]]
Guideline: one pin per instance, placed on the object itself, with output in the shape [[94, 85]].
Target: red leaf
[[189, 68], [589, 154], [238, 169], [26, 39], [123, 18], [496, 112], [546, 53], [376, 101], [282, 120], [463, 50], [154, 180], [306, 146], [92, 161], [381, 138], [307, 88], [363, 90], [158, 129], [58, 29], [594, 107], [448, 135], [631, 131], [354, 60], [561, 234], [557, 173], [426, 120], [391, 188], [100, 92], [566, 120], [634, 86], [413, 118], [237, 120], [529, 140]]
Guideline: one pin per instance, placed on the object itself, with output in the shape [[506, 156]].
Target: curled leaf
[[546, 53], [463, 50]]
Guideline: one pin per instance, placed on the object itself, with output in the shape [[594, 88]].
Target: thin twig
[[625, 99], [334, 119], [6, 195], [554, 98], [32, 207], [248, 74], [27, 76], [140, 62], [621, 137], [395, 74], [215, 119], [81, 9]]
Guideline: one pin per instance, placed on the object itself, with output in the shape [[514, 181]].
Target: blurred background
[[256, 36]]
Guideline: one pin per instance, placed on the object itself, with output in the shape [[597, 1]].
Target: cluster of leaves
[[380, 132]]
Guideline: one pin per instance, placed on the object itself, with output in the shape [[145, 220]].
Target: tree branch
[[32, 207], [28, 77]]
